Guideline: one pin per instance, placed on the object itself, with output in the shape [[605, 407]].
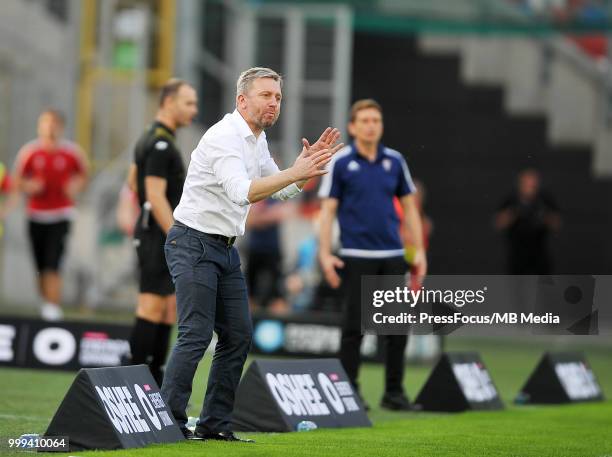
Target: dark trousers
[[350, 345], [48, 244], [529, 259], [263, 275], [211, 295]]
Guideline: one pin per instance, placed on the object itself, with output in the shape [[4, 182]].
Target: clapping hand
[[327, 140], [319, 154]]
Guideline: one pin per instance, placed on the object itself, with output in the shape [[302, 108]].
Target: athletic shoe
[[51, 312]]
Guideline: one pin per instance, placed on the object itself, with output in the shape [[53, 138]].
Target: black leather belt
[[227, 240]]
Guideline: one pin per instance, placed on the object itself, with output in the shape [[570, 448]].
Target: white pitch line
[[15, 416]]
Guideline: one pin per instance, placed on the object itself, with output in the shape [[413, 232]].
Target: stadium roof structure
[[515, 17]]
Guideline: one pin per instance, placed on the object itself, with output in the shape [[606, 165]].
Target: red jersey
[[55, 169], [5, 180]]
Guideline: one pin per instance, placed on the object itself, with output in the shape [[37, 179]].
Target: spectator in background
[[591, 14], [51, 172], [307, 289], [264, 273], [362, 181], [302, 281], [409, 245], [527, 217], [581, 13], [8, 197]]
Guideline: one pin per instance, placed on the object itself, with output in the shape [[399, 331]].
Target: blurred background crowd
[[502, 109]]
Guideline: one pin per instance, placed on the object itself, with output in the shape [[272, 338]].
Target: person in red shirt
[[409, 247], [5, 189], [8, 198], [5, 180], [51, 172]]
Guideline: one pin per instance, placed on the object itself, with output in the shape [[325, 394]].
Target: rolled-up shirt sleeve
[[225, 158], [288, 192], [269, 168]]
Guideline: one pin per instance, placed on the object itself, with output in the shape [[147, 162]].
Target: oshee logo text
[[297, 394], [126, 415]]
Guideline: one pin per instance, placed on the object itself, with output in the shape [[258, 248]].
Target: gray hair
[[245, 81]]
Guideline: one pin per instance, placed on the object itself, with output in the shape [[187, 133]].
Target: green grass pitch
[[28, 399]]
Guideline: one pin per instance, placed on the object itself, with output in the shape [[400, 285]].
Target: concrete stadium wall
[[38, 57], [558, 82]]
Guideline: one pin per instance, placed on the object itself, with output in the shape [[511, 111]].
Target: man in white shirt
[[230, 169]]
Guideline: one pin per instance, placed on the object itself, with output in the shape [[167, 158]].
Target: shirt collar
[[163, 126], [379, 153], [243, 128]]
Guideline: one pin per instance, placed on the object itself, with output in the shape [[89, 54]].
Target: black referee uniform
[[156, 154]]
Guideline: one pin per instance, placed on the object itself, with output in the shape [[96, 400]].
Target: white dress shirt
[[222, 167]]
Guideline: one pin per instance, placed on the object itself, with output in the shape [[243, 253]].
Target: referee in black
[[157, 175], [362, 181]]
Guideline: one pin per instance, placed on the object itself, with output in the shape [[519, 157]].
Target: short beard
[[266, 125]]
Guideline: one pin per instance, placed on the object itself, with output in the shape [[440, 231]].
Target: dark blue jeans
[[211, 295]]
